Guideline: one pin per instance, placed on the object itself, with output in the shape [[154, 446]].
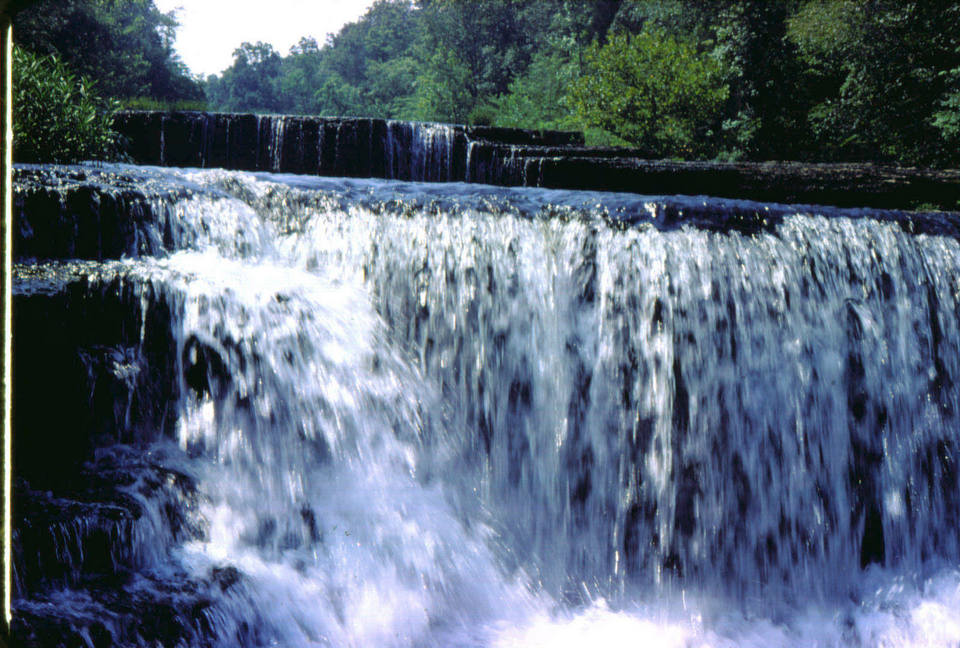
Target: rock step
[[96, 213], [123, 518], [173, 610], [93, 365]]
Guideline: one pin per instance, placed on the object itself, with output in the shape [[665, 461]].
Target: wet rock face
[[154, 612], [93, 366], [93, 213], [843, 185], [98, 530], [523, 136], [350, 147]]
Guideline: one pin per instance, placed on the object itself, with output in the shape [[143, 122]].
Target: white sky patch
[[210, 30]]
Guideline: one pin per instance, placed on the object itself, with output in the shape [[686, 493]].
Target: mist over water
[[452, 415]]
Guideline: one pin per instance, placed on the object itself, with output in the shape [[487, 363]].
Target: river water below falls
[[459, 415]]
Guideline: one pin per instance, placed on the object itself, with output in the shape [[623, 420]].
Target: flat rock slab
[[843, 185]]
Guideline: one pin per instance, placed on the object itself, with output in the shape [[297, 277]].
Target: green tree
[[766, 110], [369, 62], [481, 47], [337, 98], [653, 90], [431, 60], [691, 19], [389, 86], [125, 45], [764, 115], [58, 116], [947, 118], [537, 98], [444, 90], [250, 84], [880, 74], [301, 72]]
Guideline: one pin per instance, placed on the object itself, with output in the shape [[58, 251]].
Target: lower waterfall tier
[[425, 415]]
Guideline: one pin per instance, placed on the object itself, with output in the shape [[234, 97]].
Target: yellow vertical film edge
[[6, 24]]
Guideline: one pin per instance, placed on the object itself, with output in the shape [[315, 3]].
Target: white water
[[448, 420]]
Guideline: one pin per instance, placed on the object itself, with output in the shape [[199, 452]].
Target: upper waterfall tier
[[377, 148], [351, 147]]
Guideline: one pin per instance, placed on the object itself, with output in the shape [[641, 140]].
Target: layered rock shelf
[[352, 147]]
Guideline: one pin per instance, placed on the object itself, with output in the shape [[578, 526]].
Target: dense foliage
[[78, 61], [125, 45], [652, 90], [58, 117], [753, 79], [827, 80], [882, 76]]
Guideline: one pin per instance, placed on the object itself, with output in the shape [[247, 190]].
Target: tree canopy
[[875, 80], [653, 90], [825, 80], [125, 46], [78, 61]]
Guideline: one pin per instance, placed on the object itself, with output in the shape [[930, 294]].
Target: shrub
[[654, 91], [57, 116]]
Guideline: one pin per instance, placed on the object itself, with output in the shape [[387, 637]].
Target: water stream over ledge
[[342, 412]]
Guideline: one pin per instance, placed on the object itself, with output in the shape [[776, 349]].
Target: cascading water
[[452, 415], [331, 147], [420, 151]]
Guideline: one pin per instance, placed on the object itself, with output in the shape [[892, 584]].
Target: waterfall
[[403, 414], [433, 152], [418, 151], [278, 130], [354, 147], [471, 153]]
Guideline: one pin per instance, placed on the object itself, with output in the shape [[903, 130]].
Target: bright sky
[[211, 29]]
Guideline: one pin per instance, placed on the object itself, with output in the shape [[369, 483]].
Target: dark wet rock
[[45, 625], [99, 525], [225, 577], [844, 185], [84, 557], [93, 365], [167, 611], [61, 541], [106, 212], [523, 136], [204, 368], [872, 545]]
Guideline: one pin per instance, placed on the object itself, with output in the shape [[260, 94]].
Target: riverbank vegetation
[[809, 80], [58, 117], [79, 61]]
